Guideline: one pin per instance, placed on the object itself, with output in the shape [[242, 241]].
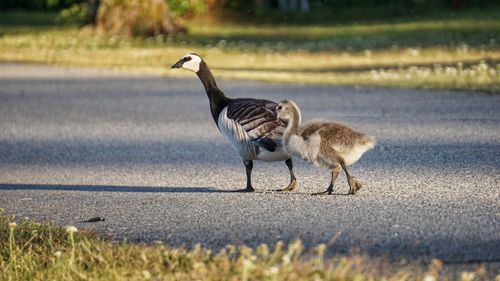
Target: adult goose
[[250, 125]]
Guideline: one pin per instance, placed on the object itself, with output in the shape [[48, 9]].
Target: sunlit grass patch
[[452, 53], [476, 32], [32, 251], [481, 76]]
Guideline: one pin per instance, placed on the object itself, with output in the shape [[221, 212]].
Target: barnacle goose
[[250, 125], [327, 144]]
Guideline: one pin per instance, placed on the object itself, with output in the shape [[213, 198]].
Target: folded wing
[[258, 118]]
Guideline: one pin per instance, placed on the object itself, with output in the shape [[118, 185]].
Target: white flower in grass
[[247, 264], [273, 270], [71, 229], [429, 277], [58, 254], [467, 276], [286, 259], [146, 274], [414, 52], [12, 224]]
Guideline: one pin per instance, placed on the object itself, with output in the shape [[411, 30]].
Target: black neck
[[216, 97]]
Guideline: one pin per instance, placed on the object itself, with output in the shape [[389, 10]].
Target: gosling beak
[[178, 64]]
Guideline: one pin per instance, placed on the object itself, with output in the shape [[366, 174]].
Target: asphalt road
[[143, 152]]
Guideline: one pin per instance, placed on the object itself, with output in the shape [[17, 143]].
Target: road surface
[[143, 152]]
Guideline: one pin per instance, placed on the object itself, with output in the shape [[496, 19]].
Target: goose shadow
[[148, 189], [139, 189], [112, 188]]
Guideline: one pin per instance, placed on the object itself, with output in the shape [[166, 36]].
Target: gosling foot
[[354, 186], [290, 187]]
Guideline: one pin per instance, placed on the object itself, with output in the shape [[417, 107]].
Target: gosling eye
[[279, 107]]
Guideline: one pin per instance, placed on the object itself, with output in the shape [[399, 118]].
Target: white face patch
[[193, 64]]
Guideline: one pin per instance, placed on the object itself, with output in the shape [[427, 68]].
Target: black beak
[[178, 64]]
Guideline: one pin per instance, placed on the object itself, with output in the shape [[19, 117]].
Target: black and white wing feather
[[259, 120]]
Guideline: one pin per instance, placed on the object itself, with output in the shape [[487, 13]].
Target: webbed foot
[[290, 187], [354, 186]]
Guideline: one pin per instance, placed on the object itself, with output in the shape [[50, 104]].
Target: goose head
[[286, 110], [190, 62]]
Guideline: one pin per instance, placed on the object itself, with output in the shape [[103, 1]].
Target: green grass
[[33, 251], [459, 51]]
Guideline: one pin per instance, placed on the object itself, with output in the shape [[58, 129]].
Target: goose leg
[[293, 180], [335, 174], [248, 167], [354, 185]]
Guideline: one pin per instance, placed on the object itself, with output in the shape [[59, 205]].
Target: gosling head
[[190, 62], [286, 110]]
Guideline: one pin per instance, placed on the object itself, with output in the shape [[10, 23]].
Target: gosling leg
[[354, 185], [293, 179], [248, 167], [335, 174]]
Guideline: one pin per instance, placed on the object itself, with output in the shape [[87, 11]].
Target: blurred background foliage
[[446, 44], [136, 18], [166, 17], [268, 11]]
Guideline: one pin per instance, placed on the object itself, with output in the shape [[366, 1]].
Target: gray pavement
[[143, 152]]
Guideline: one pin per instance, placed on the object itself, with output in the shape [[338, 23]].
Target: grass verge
[[456, 52], [33, 251]]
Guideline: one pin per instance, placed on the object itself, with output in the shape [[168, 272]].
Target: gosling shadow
[[333, 194], [301, 193]]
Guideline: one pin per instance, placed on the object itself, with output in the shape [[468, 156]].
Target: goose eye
[[187, 58], [279, 107]]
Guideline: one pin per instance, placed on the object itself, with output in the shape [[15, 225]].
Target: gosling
[[324, 144]]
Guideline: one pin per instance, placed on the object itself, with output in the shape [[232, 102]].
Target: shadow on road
[[111, 188], [145, 189]]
